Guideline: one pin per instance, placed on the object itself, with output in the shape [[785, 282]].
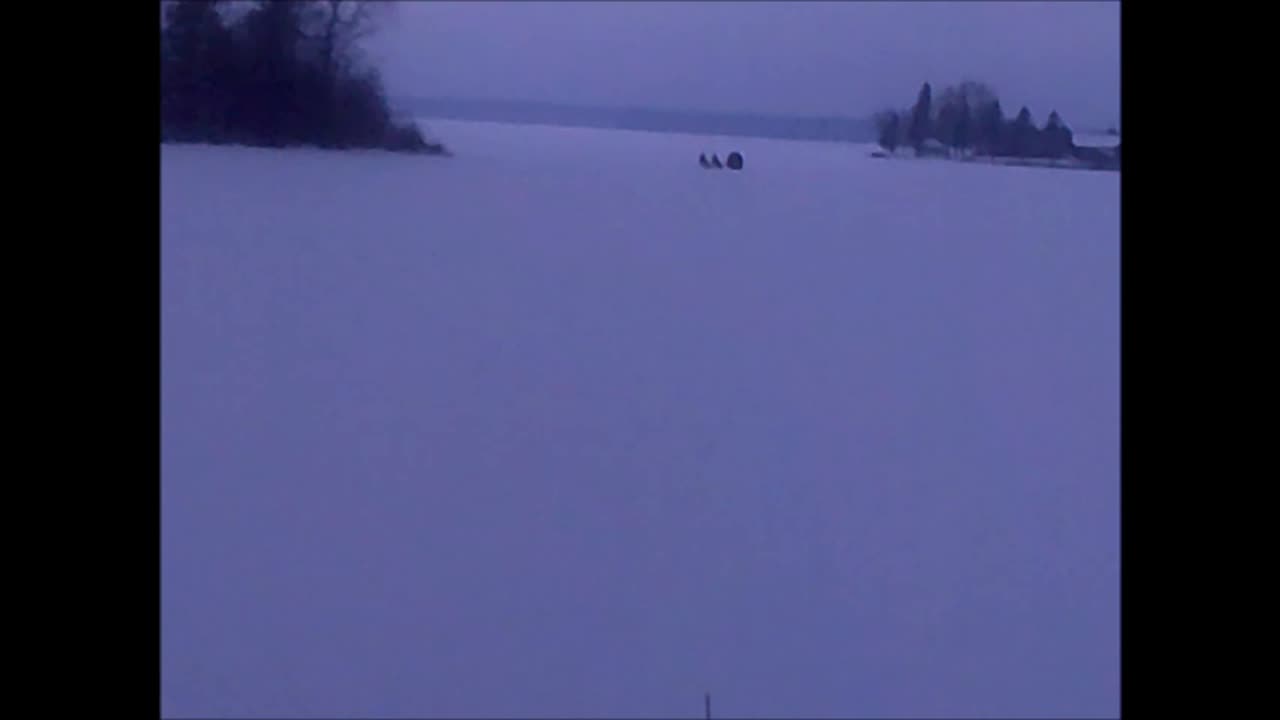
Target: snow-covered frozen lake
[[567, 426]]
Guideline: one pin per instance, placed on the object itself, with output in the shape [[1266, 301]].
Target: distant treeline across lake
[[839, 129]]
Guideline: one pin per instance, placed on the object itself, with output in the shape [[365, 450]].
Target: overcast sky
[[848, 58]]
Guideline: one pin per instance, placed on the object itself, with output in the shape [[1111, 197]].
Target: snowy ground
[[568, 426]]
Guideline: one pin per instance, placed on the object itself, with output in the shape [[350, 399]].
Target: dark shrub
[[888, 130], [407, 138]]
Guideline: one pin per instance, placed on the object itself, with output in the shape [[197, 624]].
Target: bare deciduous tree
[[277, 72]]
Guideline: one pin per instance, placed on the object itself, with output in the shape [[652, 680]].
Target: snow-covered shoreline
[[1060, 164]]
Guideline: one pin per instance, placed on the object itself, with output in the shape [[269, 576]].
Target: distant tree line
[[280, 72], [968, 119]]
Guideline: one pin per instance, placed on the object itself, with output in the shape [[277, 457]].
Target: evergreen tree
[[921, 118]]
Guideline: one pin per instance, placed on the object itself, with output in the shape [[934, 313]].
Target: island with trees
[[966, 122]]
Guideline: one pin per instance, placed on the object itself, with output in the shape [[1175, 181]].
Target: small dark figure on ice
[[733, 162]]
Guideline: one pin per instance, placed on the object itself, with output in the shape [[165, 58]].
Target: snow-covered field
[[567, 426]]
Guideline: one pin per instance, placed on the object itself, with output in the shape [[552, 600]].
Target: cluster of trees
[[969, 119], [275, 73]]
